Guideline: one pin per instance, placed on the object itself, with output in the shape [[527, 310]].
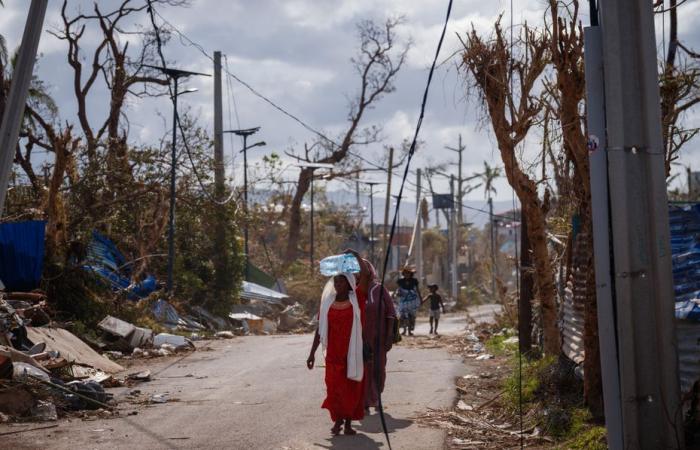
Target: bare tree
[[493, 67], [377, 64], [567, 97], [92, 158], [679, 83]]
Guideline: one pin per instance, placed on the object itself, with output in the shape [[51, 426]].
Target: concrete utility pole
[[385, 235], [221, 258], [492, 232], [218, 129], [595, 107], [419, 228], [19, 89], [453, 242], [460, 180], [643, 284]]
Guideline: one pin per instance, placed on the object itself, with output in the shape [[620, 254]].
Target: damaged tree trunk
[[493, 69], [569, 93]]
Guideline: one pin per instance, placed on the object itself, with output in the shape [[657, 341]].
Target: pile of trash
[[258, 317], [265, 311], [46, 371], [121, 339]]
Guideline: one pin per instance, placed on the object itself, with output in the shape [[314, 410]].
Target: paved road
[[256, 393]]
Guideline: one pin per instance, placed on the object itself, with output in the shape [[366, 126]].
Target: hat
[[408, 269], [433, 286]]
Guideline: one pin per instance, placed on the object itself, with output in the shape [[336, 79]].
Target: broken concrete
[[71, 348]]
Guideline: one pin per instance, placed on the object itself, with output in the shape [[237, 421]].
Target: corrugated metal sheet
[[252, 291], [572, 327], [571, 310], [685, 246], [688, 336]]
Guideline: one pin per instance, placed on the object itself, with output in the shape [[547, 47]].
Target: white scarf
[[355, 362]]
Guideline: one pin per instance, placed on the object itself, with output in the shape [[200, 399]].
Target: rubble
[[72, 348], [224, 335], [176, 341], [125, 335]]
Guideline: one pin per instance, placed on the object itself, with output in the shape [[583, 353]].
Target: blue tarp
[[105, 260], [22, 254], [685, 247]]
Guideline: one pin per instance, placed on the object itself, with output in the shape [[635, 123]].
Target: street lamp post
[[245, 133], [175, 75]]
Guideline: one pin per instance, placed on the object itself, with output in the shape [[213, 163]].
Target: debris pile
[[46, 371]]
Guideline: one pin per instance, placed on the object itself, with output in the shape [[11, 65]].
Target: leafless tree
[[378, 62]]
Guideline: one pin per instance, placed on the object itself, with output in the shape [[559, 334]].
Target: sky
[[297, 53]]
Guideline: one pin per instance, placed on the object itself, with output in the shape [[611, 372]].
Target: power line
[[254, 91], [159, 44]]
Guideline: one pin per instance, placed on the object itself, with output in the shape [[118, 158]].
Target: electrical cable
[[232, 106], [411, 152], [248, 86], [159, 44], [517, 262]]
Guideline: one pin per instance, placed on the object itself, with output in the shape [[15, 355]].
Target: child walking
[[435, 305]]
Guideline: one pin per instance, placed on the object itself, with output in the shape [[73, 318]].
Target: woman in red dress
[[340, 332]]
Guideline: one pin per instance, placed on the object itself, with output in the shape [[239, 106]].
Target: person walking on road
[[340, 333], [410, 299], [436, 303], [378, 306]]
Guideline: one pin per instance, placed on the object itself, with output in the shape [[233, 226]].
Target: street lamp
[[313, 166], [175, 75], [245, 133]]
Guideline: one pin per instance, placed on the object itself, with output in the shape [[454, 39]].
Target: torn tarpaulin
[[105, 260]]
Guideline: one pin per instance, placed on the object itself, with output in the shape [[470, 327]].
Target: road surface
[[256, 393]]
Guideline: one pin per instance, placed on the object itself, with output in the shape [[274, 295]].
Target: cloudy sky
[[297, 52]]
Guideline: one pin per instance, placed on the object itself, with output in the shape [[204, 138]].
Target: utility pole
[[313, 167], [398, 226], [221, 256], [492, 231], [419, 228], [371, 185], [387, 205], [17, 97], [460, 180], [218, 133], [643, 285], [453, 242], [607, 336]]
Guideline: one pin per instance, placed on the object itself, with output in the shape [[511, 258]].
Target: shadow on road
[[370, 424], [373, 424]]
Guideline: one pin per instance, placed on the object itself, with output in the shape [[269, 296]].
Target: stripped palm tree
[[488, 176]]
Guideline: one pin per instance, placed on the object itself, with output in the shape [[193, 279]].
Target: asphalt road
[[256, 393]]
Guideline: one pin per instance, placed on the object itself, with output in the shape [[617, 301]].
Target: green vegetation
[[498, 345], [550, 394], [532, 375]]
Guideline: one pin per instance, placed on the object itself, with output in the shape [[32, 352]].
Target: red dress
[[344, 397]]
